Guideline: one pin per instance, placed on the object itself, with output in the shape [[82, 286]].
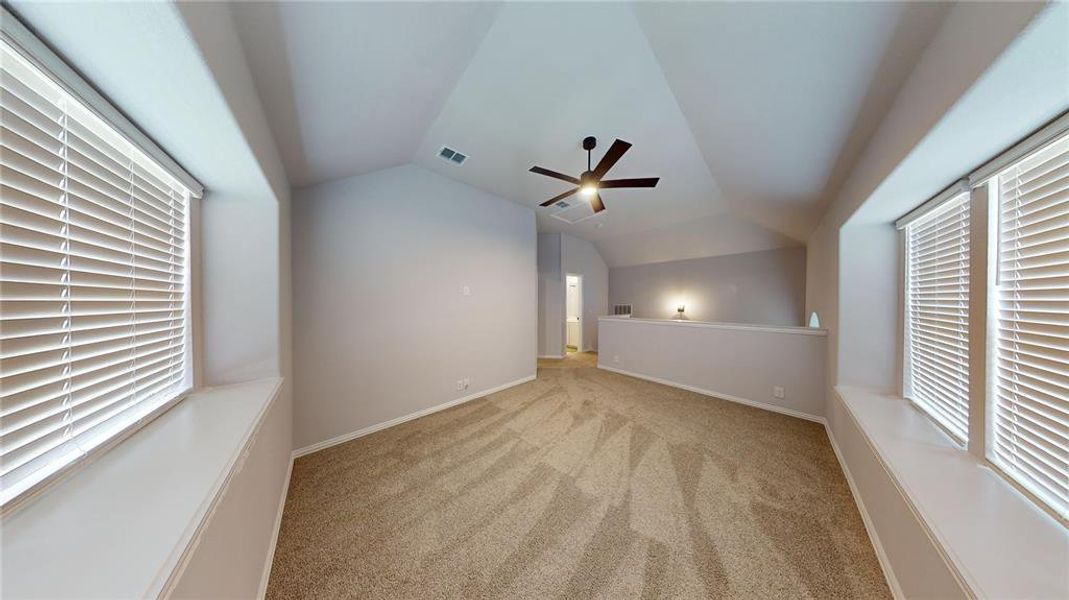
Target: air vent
[[621, 310], [572, 213], [447, 153]]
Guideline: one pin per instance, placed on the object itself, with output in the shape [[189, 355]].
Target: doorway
[[573, 302]]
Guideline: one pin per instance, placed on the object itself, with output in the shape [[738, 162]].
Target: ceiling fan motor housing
[[589, 143]]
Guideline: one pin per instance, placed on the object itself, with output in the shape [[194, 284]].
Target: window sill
[[120, 526], [998, 542]]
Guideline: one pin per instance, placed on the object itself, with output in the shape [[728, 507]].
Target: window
[[937, 314], [1030, 416], [986, 314], [94, 279]]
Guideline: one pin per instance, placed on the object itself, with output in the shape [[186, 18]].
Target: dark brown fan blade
[[615, 152], [596, 203], [556, 199], [630, 183], [555, 175]]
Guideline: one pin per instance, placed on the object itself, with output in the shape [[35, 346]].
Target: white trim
[[953, 191], [266, 577], [713, 325], [33, 48], [359, 433], [690, 388], [553, 356], [870, 528], [579, 277]]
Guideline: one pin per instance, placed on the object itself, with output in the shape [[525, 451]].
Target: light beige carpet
[[579, 484]]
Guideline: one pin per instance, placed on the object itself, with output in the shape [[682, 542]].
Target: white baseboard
[[345, 437], [881, 555], [262, 593], [557, 356], [690, 388]]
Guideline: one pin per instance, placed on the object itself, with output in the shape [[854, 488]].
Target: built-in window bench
[[995, 542], [120, 526]]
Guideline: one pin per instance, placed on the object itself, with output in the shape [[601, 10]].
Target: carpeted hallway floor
[[580, 484]]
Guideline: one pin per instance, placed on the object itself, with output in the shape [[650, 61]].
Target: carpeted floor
[[580, 484]]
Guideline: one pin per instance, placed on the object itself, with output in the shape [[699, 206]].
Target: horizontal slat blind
[[937, 314], [93, 290], [1031, 384]]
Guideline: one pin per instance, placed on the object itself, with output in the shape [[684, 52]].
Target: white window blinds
[[1031, 387], [93, 279], [937, 314]]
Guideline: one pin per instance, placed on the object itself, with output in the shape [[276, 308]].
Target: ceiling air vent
[[447, 153], [572, 212]]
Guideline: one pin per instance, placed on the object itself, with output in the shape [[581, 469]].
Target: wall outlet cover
[[616, 358], [778, 392]]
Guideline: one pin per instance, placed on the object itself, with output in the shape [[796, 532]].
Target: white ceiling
[[750, 113], [774, 91], [351, 87]]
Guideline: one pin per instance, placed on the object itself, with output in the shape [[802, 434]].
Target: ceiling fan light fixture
[[590, 182]]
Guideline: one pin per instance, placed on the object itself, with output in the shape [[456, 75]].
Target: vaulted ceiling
[[751, 113]]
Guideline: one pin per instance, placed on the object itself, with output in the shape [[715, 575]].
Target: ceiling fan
[[590, 182]]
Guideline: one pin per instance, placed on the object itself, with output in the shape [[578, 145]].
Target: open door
[[573, 313]]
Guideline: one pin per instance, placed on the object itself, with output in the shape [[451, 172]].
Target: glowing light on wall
[[674, 302]]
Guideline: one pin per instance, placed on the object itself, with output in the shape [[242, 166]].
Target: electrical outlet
[[616, 358], [460, 384], [778, 392], [465, 290]]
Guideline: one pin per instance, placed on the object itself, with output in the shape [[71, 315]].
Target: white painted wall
[[381, 326], [766, 288], [869, 356], [246, 323], [740, 363], [550, 296], [239, 289], [580, 257]]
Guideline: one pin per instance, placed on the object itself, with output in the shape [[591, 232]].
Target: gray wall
[[580, 257], [766, 288], [740, 363], [382, 328], [550, 296]]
